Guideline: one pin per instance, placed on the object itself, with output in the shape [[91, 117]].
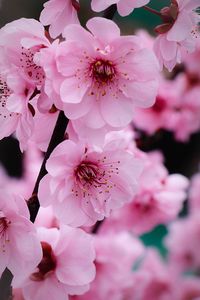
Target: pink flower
[[184, 256], [176, 109], [101, 76], [58, 14], [187, 288], [124, 7], [194, 193], [20, 78], [157, 281], [176, 34], [192, 61], [20, 40], [115, 256], [20, 249], [84, 183], [66, 267], [158, 200], [164, 110]]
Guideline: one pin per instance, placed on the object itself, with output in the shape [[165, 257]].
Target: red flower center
[[103, 71], [47, 264]]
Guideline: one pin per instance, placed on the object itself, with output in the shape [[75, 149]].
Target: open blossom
[[84, 183], [15, 112], [58, 14], [158, 200], [101, 76], [66, 267], [177, 34], [20, 249], [20, 78], [124, 7]]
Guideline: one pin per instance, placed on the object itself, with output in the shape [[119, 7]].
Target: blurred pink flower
[[115, 256], [124, 7], [158, 200]]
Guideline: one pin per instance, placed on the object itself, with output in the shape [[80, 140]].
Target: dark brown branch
[[5, 285], [33, 202], [110, 12], [57, 138]]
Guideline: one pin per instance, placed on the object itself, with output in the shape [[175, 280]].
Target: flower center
[[4, 223], [87, 173], [103, 71], [159, 105], [47, 264], [32, 71]]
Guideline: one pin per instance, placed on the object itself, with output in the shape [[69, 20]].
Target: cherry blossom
[[158, 200], [66, 267], [84, 183], [194, 193], [58, 14], [177, 33], [184, 256], [21, 79], [100, 76], [124, 7], [115, 256], [19, 247]]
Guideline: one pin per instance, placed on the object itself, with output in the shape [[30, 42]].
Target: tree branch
[[57, 138]]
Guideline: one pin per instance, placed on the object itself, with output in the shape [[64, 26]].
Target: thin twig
[[155, 12]]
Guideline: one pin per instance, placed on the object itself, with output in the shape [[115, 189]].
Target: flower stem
[[155, 12]]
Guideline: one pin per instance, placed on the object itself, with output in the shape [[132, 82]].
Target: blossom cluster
[[95, 191]]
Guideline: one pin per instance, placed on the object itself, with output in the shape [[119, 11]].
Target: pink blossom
[[20, 40], [21, 79], [187, 288], [19, 247], [192, 61], [177, 32], [15, 115], [58, 14], [40, 136], [176, 109], [124, 7], [194, 193], [158, 200], [184, 256], [66, 267], [99, 75], [157, 281], [85, 183], [164, 110], [115, 256]]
